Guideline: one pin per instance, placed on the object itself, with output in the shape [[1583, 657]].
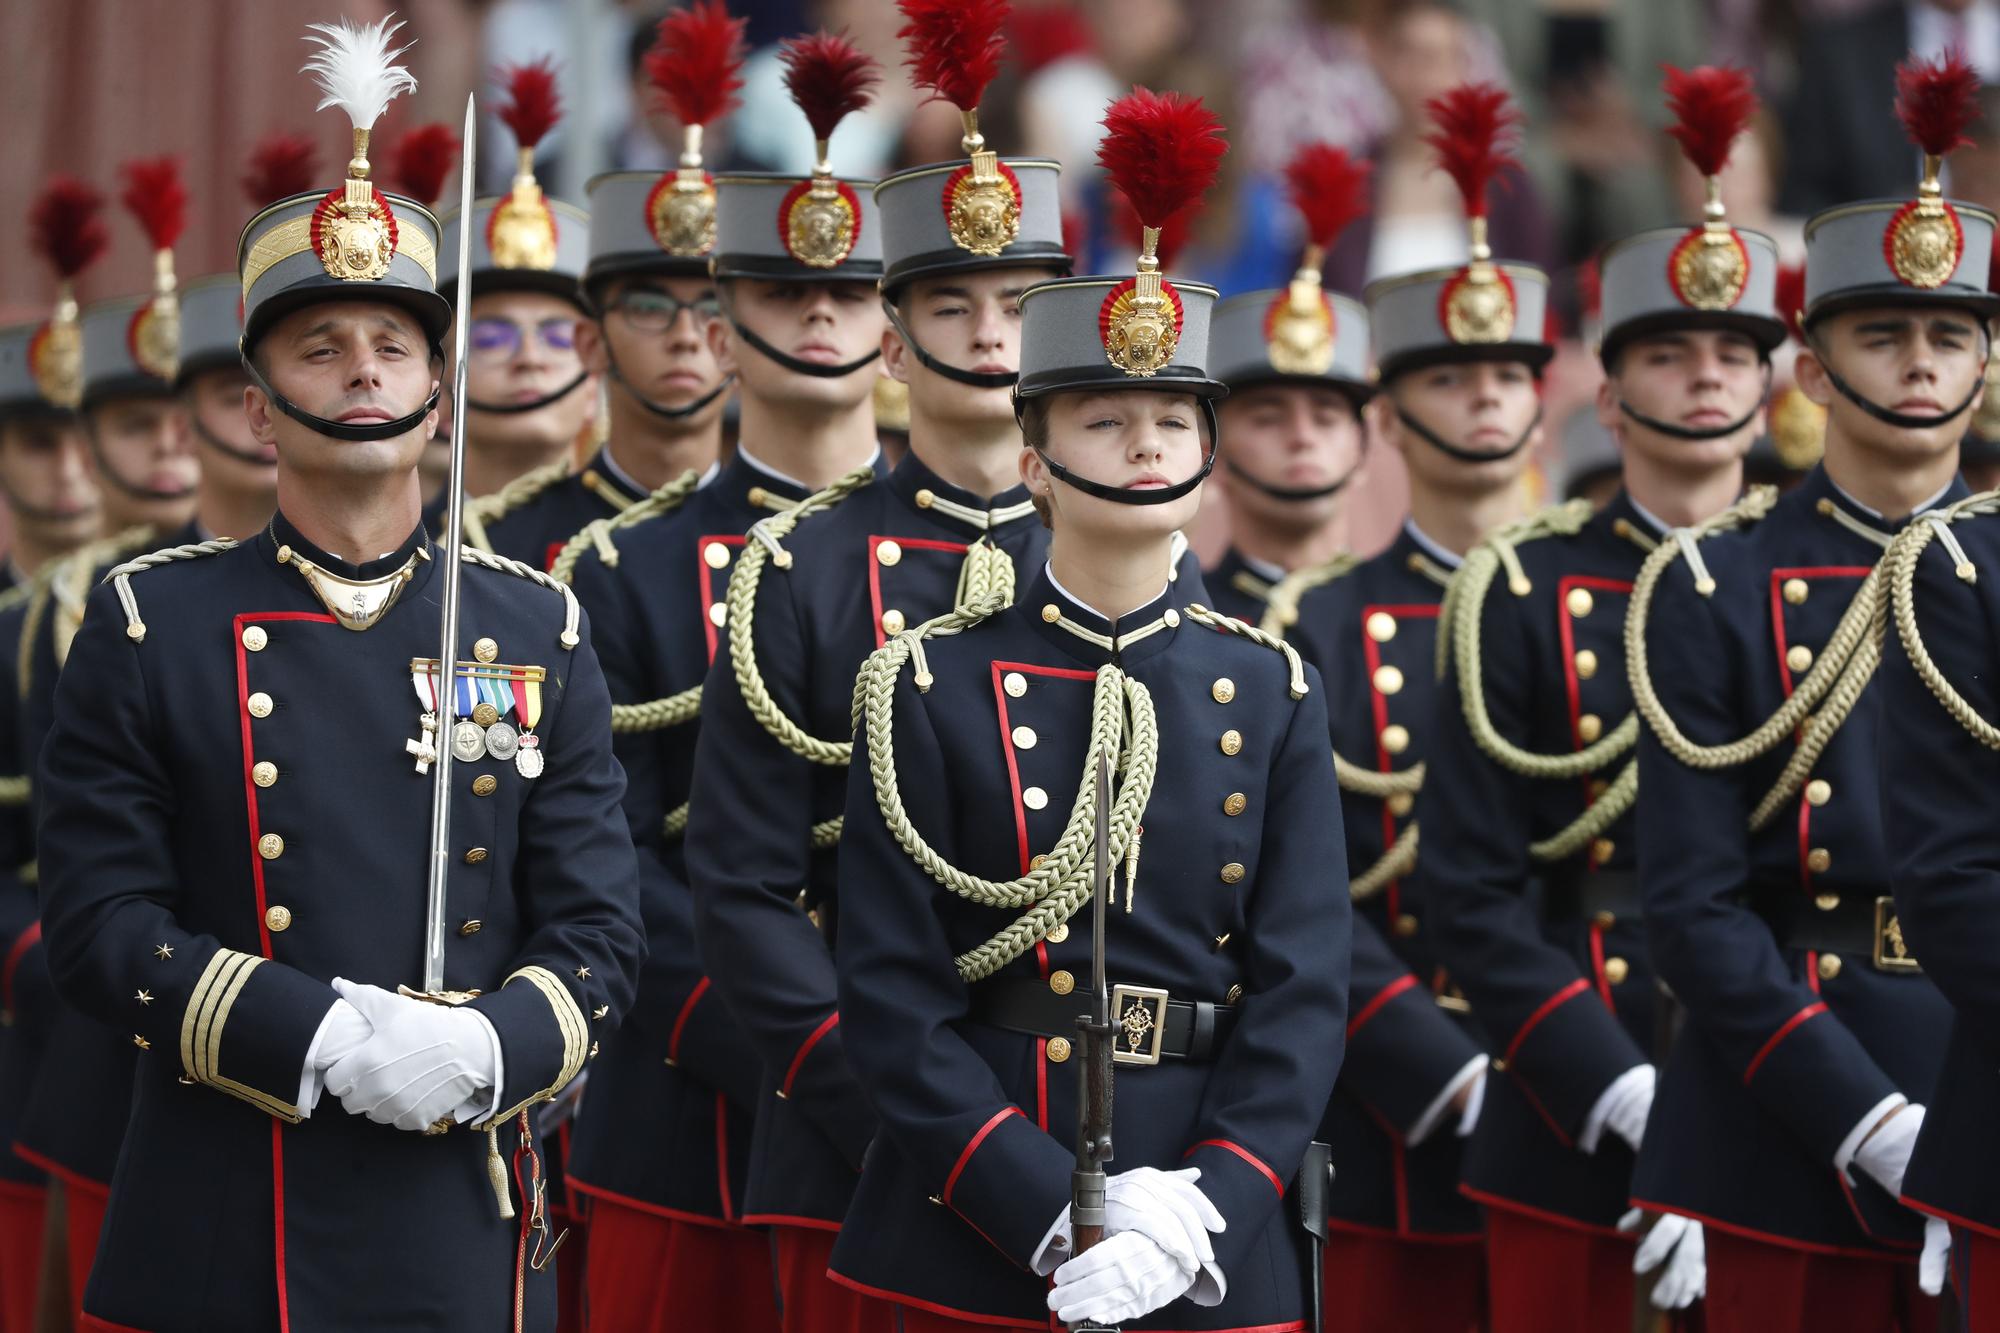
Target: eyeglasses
[[500, 339], [649, 311]]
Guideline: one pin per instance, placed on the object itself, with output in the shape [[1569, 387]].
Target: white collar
[[1449, 559], [760, 465], [611, 466], [1057, 585], [1877, 514], [1263, 569], [1653, 520]]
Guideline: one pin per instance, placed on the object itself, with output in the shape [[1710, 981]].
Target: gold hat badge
[[954, 51], [353, 229], [1330, 190], [154, 195], [1936, 101], [829, 78], [67, 231], [1712, 105], [521, 230], [1472, 137], [695, 65]]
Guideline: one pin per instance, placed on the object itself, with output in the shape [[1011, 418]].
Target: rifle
[[1095, 1041]]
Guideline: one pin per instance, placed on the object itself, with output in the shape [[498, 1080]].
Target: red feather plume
[[154, 194], [1329, 188], [696, 62], [533, 104], [1173, 237], [1046, 33], [1473, 138], [1937, 100], [954, 46], [1791, 297], [280, 165], [66, 227], [829, 77], [1163, 152], [1589, 289], [425, 155], [1712, 104]]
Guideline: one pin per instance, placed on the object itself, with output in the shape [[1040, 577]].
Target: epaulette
[[596, 535], [1899, 567], [1243, 629], [485, 509], [120, 578], [1281, 606], [572, 615]]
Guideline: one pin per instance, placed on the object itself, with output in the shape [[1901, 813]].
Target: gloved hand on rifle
[[1156, 1250]]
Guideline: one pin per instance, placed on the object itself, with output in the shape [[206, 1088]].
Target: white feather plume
[[353, 68]]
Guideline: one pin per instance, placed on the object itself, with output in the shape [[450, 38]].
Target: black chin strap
[[137, 492], [1295, 494], [1450, 450], [222, 446], [347, 430], [978, 379], [1900, 420], [534, 404], [1151, 495], [36, 513], [1676, 431], [789, 362]]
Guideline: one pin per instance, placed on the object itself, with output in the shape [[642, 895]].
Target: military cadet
[[234, 840], [1787, 1114], [1404, 1250], [1292, 434], [814, 590], [649, 302], [528, 394], [1527, 853], [969, 836]]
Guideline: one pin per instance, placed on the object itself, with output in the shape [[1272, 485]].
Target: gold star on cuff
[[600, 1011], [144, 997], [583, 974], [141, 1042], [164, 952], [593, 1050]]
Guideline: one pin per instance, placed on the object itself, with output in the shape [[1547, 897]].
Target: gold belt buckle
[[1892, 953], [1139, 1013]]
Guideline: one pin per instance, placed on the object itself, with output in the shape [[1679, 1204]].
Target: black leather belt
[[1150, 1024], [1851, 925]]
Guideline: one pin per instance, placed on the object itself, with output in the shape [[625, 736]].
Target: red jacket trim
[[95, 1188], [965, 1155], [680, 1019], [1813, 1010], [1548, 1006], [1773, 1238], [1246, 1155], [1382, 998], [1931, 1210], [875, 541], [788, 1220], [1568, 1223], [250, 788], [707, 577], [832, 1021], [30, 935], [630, 1204]]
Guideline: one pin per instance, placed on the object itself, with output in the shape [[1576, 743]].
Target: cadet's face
[[143, 451], [242, 463], [968, 320], [1921, 362], [1481, 406], [1133, 439], [659, 331], [522, 348], [357, 362], [1294, 436], [826, 323], [1701, 380], [45, 473]]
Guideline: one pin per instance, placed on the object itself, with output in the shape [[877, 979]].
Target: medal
[[528, 759], [528, 702], [502, 741], [468, 740]]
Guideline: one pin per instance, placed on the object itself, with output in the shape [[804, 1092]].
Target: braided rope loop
[[1900, 567]]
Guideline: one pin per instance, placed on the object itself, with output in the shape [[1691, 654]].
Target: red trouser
[[85, 1205], [1380, 1282], [1545, 1277], [1975, 1275], [813, 1302], [1757, 1287], [644, 1273], [20, 1254]]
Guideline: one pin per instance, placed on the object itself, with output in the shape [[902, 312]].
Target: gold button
[[1232, 873], [1024, 738], [756, 495], [1381, 627], [471, 927], [1598, 786], [1601, 850], [1388, 679], [1798, 657], [888, 552], [260, 704], [474, 855], [1499, 1066], [1586, 664], [1579, 602], [1051, 613], [1401, 803], [1062, 983], [1224, 689], [892, 621], [1036, 862], [264, 773], [485, 650], [1819, 791], [1826, 902], [1589, 727], [1170, 617], [484, 784], [1819, 860], [1829, 966], [1014, 683], [1406, 925], [717, 613], [1235, 803], [485, 714], [925, 498], [1795, 591], [1058, 1050], [1395, 738], [1232, 741], [1603, 920], [270, 846], [1616, 970], [1058, 932], [1235, 994], [1035, 798], [254, 638], [715, 555], [279, 919]]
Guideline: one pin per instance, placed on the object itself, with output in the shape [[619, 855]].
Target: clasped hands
[[402, 1061]]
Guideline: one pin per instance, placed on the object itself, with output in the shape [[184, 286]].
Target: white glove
[[1622, 1109], [1120, 1278], [1677, 1242], [1935, 1262], [340, 1033], [1885, 1153], [423, 1062], [1163, 1205], [1468, 1119]]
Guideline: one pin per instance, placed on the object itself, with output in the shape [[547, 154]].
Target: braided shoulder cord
[[501, 564], [31, 626], [1900, 567], [1397, 861], [14, 790], [121, 577], [1600, 815], [1281, 607], [1295, 668], [596, 534], [482, 510]]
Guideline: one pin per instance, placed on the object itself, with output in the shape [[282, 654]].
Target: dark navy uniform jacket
[[27, 1002], [1239, 588], [1551, 958], [230, 820], [1372, 632], [1239, 899], [536, 531], [1787, 1046], [1937, 811], [666, 1124]]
